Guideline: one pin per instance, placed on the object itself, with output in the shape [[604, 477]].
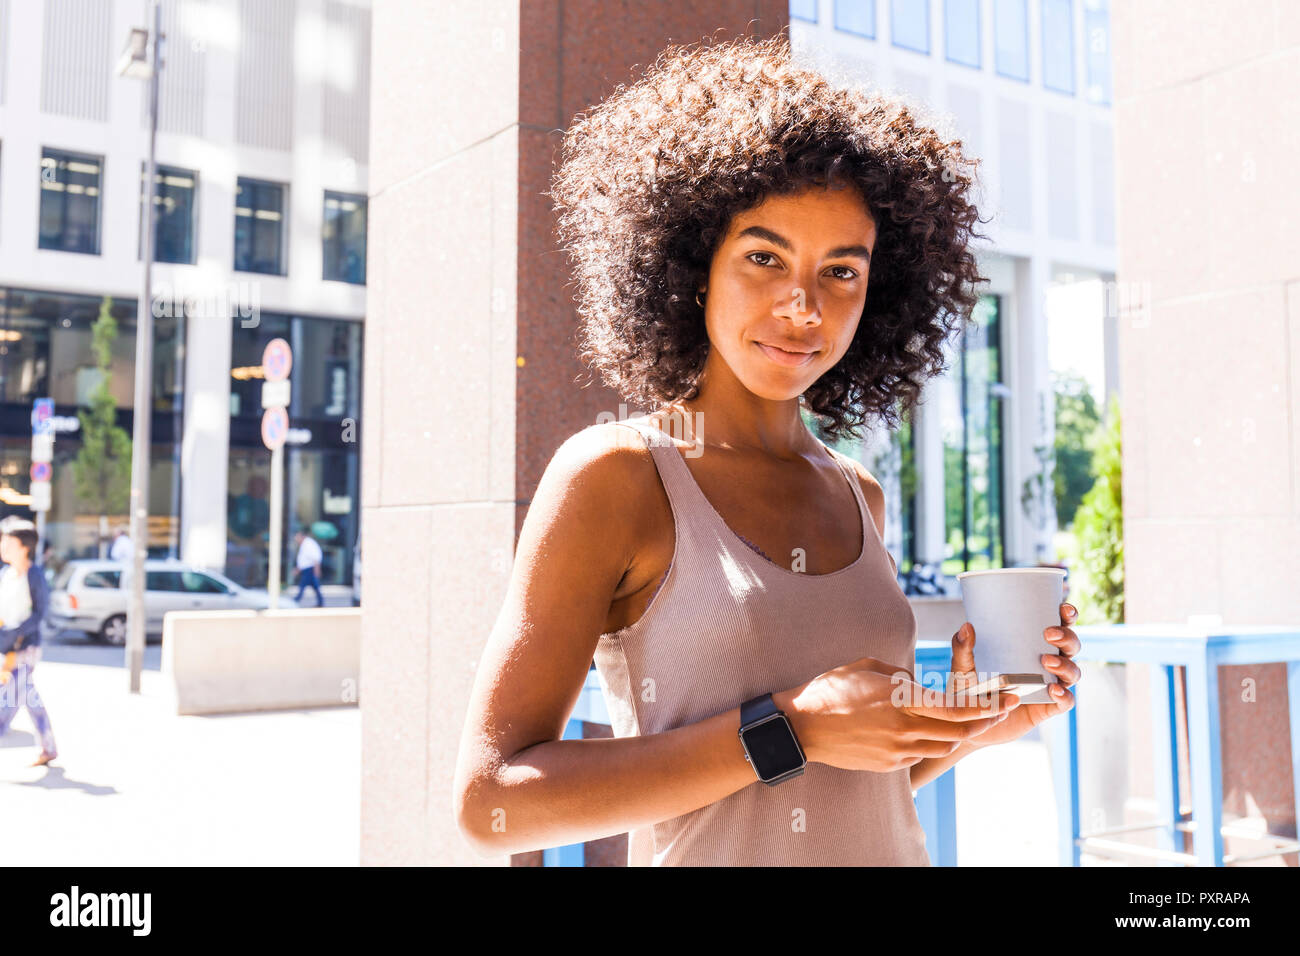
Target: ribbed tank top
[[727, 624]]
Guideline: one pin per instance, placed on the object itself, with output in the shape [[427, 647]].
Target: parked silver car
[[88, 595]]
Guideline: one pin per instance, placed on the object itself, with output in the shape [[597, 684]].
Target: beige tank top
[[727, 624]]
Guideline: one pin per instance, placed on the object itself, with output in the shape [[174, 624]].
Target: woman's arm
[[520, 787]]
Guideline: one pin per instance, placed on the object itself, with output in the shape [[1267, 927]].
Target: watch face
[[772, 748]]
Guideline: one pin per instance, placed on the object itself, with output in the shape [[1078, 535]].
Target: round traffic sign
[[275, 427], [277, 359], [41, 471]]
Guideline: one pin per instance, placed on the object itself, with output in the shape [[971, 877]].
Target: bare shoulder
[[599, 477], [871, 490]]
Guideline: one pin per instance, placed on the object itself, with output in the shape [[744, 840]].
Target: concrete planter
[[229, 661]]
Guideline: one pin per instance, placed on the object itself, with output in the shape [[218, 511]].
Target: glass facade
[[45, 352], [344, 237], [173, 214], [961, 29], [322, 460], [856, 16], [1011, 38], [259, 227], [1058, 46], [1096, 27], [970, 409], [804, 10], [69, 219], [910, 24]]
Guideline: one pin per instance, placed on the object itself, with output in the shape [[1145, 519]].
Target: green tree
[[102, 469], [1099, 528], [1077, 419]]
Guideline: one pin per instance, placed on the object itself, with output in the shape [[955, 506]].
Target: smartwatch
[[771, 746]]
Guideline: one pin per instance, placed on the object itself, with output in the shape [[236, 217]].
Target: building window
[[173, 214], [1096, 28], [344, 237], [1058, 46], [259, 227], [321, 460], [970, 410], [1011, 39], [910, 24], [70, 202], [804, 10], [46, 353], [856, 16], [961, 19]]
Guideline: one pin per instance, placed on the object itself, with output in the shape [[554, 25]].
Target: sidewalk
[[136, 785]]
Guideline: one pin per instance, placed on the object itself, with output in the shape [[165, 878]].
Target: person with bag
[[24, 598]]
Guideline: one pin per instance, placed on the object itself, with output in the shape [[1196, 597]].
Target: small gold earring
[[698, 300]]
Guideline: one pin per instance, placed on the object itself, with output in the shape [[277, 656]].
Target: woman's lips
[[784, 358]]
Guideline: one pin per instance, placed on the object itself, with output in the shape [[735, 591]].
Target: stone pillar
[[471, 375], [1211, 367]]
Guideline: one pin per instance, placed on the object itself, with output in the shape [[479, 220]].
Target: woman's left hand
[[1024, 718]]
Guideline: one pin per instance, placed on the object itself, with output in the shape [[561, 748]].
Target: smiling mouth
[[786, 359]]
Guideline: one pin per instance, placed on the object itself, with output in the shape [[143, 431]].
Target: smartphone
[[1022, 685]]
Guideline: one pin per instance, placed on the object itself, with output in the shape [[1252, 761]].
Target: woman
[[24, 596], [725, 214]]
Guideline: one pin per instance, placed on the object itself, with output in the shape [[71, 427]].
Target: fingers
[[1066, 670], [1063, 698], [928, 720], [963, 648]]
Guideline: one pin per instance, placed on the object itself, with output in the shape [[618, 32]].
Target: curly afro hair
[[651, 177]]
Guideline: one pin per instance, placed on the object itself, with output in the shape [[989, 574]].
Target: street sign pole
[[277, 505], [277, 360]]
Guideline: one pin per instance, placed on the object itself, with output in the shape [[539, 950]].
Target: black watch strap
[[757, 708]]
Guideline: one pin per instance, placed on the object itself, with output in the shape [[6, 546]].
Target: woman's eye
[[767, 257]]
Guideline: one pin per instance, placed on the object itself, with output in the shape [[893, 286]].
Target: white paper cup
[[1009, 609]]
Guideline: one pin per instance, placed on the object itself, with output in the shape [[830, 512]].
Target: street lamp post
[[136, 63]]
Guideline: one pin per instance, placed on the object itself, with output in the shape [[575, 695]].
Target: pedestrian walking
[[307, 566], [24, 598], [121, 549]]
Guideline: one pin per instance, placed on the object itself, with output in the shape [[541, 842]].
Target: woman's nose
[[799, 307]]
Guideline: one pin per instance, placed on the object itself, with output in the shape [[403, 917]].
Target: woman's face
[[10, 548], [791, 274]]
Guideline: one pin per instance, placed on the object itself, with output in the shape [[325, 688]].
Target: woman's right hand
[[872, 715]]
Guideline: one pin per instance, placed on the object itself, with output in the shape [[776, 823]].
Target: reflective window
[[173, 214], [804, 10], [163, 581], [970, 410], [102, 579], [1096, 28], [910, 24], [1011, 38], [961, 26], [856, 16], [259, 227], [321, 460], [344, 237], [198, 583], [45, 351], [70, 202], [1058, 46]]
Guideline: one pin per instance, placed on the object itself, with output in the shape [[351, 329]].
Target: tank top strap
[[684, 494], [851, 475]]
